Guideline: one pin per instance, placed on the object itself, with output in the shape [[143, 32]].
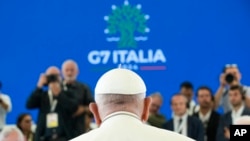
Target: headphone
[[243, 93], [187, 105]]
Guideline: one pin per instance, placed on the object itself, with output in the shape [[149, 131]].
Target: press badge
[[52, 120]]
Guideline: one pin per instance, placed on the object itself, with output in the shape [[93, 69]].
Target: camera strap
[[53, 102]]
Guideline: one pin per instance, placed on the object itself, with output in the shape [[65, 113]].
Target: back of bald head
[[53, 70]]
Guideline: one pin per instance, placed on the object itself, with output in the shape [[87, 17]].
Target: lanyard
[[53, 102]]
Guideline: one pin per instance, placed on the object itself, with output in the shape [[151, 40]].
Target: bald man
[[70, 72], [11, 134], [182, 122], [121, 110], [56, 108]]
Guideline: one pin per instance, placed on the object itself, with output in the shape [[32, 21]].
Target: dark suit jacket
[[212, 125], [84, 98], [225, 121], [195, 128], [66, 106]]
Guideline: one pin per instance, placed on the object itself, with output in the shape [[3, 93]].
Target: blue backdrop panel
[[175, 41]]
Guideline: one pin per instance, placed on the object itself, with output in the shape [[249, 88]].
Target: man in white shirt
[[236, 98], [187, 89], [230, 76], [182, 123], [5, 107], [121, 110]]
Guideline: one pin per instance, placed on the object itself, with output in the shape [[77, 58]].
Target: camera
[[52, 78], [229, 78]]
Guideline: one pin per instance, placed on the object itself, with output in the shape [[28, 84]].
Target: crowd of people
[[202, 121], [62, 104], [120, 107]]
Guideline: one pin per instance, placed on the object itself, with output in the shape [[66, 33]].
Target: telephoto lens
[[229, 78]]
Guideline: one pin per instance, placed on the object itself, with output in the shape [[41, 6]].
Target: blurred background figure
[[11, 134], [89, 125], [56, 108], [155, 117], [230, 76], [208, 116], [5, 107], [236, 97], [24, 123], [183, 123], [243, 120], [82, 92], [187, 89]]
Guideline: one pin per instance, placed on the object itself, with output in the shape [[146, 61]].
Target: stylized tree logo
[[126, 20]]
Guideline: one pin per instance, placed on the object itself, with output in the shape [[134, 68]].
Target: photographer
[[5, 107], [231, 76], [56, 108]]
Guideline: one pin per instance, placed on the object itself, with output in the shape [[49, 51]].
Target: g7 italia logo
[[126, 26]]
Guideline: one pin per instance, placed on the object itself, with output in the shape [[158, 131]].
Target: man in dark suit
[[236, 98], [183, 123], [70, 71], [55, 106], [206, 114]]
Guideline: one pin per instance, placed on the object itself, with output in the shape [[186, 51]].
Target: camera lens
[[229, 78], [52, 78]]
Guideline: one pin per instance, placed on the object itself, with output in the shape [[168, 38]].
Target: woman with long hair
[[24, 123]]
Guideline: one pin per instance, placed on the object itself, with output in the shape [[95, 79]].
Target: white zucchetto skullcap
[[120, 81]]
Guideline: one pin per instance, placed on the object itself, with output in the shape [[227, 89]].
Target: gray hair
[[8, 131], [69, 61], [242, 120], [119, 102], [157, 94]]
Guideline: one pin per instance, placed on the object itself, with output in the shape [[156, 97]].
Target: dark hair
[[90, 115], [205, 88], [240, 89], [187, 85], [20, 119]]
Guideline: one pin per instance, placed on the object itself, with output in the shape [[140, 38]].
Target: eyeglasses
[[231, 66]]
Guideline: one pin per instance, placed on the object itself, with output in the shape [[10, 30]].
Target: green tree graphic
[[126, 20]]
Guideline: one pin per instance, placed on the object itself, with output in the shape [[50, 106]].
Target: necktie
[[179, 125], [205, 122]]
